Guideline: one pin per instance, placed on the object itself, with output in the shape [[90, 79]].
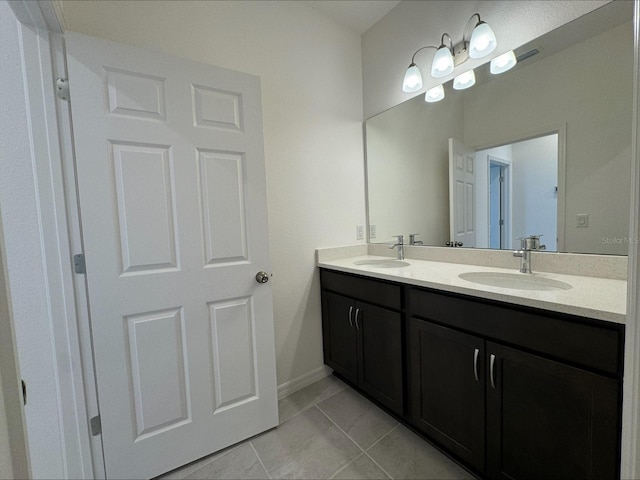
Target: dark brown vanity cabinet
[[362, 332], [513, 412], [513, 392]]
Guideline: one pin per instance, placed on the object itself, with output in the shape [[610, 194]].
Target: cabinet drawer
[[564, 337], [377, 292]]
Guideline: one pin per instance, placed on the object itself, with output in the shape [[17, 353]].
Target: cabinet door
[[447, 388], [380, 354], [339, 335], [546, 419]]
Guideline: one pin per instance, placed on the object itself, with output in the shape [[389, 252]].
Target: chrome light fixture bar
[[447, 57]]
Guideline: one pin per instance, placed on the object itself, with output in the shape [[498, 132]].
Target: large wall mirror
[[549, 146]]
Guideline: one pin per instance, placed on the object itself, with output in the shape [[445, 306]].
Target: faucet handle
[[532, 242], [412, 238]]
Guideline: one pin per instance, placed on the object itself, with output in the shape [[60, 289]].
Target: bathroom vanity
[[512, 383]]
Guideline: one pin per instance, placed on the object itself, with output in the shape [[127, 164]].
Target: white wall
[[25, 261], [387, 46], [534, 177], [312, 102]]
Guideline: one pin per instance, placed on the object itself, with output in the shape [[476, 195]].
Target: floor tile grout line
[[357, 445], [366, 452], [260, 459], [341, 469], [383, 436], [378, 465]]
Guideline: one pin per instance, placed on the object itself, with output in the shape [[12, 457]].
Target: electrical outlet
[[372, 231], [583, 220], [359, 232]]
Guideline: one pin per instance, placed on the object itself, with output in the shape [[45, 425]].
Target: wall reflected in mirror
[[557, 128]]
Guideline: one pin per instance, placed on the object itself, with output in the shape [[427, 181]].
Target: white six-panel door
[[462, 193], [170, 171]]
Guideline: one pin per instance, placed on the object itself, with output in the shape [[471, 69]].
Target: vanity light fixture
[[481, 43], [483, 40], [442, 64], [413, 78], [464, 80], [434, 94], [503, 62]]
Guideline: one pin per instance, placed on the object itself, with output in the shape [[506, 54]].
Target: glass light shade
[[503, 62], [412, 79], [442, 64], [434, 94], [483, 41], [464, 80]]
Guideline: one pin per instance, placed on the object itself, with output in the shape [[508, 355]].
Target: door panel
[[339, 335], [447, 388], [549, 420], [221, 189], [380, 354], [171, 181]]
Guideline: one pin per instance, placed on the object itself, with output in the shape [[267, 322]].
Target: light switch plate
[[372, 231], [359, 232]]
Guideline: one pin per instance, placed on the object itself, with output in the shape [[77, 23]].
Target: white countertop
[[592, 297]]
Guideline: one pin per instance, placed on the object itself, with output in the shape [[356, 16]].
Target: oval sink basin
[[516, 281], [382, 263]]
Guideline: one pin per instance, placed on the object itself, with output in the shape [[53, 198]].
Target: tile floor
[[327, 430]]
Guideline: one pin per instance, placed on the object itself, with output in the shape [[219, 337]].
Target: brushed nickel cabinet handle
[[350, 312], [475, 364], [492, 367], [357, 313]]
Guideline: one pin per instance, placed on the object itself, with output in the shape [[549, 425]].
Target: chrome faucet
[[413, 241], [527, 245], [400, 246]]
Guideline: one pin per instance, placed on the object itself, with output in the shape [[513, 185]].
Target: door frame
[[43, 55], [506, 233]]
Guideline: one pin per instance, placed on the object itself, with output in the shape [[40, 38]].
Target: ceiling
[[357, 15]]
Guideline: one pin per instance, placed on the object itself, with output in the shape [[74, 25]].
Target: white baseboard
[[298, 383]]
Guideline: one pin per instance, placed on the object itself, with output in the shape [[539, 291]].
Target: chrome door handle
[[475, 364], [492, 367], [357, 313], [262, 277], [350, 311]]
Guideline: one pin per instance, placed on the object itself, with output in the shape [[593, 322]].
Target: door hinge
[[501, 222], [501, 179], [62, 88], [78, 263], [96, 425]]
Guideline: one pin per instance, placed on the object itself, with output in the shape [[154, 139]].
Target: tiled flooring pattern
[[327, 430]]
